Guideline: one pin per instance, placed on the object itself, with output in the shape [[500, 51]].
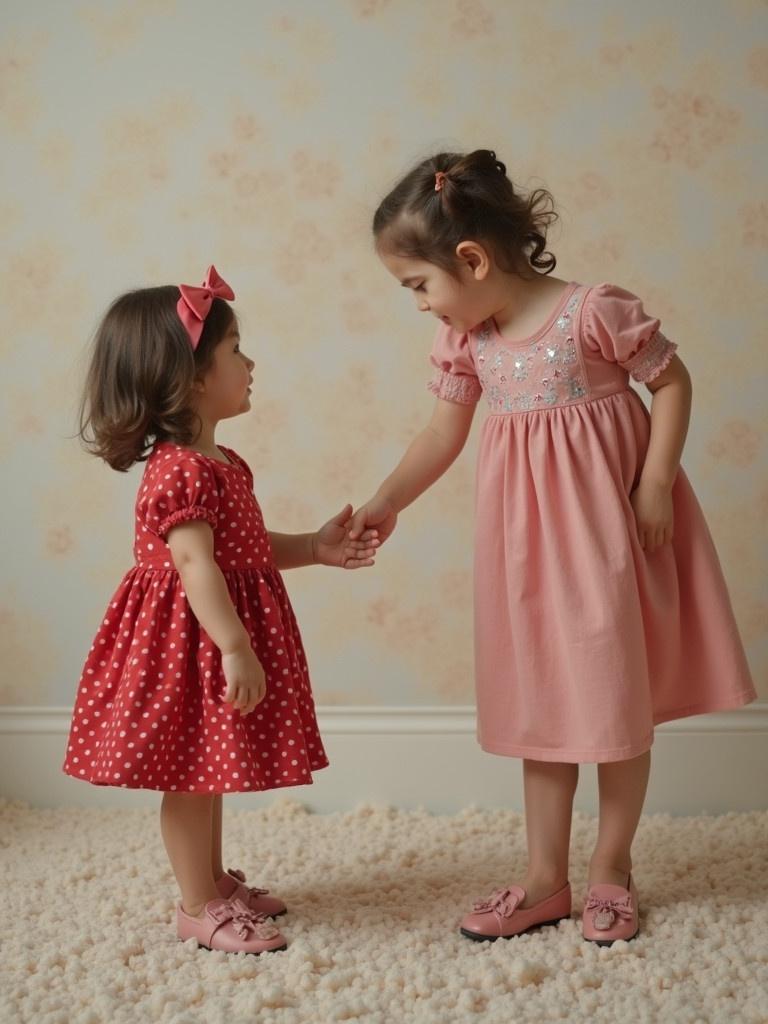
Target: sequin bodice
[[563, 364], [545, 372]]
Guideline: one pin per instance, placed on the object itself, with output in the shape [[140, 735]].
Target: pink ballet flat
[[232, 886], [500, 917], [230, 926], [610, 913]]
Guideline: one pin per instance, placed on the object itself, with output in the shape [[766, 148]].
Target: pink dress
[[149, 712], [583, 642]]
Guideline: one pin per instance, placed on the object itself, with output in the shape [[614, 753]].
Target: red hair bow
[[195, 303]]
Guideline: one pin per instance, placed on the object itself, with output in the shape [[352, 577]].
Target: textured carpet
[[374, 897]]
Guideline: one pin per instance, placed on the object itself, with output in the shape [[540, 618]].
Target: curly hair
[[139, 384], [475, 200]]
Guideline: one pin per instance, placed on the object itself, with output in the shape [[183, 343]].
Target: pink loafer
[[232, 886], [500, 917], [230, 926], [610, 913]]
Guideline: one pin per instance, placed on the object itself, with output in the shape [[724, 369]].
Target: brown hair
[[477, 201], [139, 384]]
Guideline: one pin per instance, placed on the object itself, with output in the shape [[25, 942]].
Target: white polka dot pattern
[[149, 712]]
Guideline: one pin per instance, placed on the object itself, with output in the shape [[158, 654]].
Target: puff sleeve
[[182, 491], [455, 377], [617, 326]]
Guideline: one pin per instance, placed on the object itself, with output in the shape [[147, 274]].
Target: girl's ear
[[475, 258]]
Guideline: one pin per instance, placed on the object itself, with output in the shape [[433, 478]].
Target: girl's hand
[[246, 685], [654, 514], [331, 545], [378, 513]]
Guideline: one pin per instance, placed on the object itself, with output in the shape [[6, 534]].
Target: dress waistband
[[555, 406], [166, 565]]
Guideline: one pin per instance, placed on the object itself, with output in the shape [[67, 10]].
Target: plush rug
[[374, 897]]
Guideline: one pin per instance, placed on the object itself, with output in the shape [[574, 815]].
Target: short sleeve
[[183, 491], [616, 325], [455, 378]]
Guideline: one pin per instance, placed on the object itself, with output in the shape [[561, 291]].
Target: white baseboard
[[424, 756]]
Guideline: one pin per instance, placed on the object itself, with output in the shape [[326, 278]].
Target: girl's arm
[[191, 546], [292, 550], [426, 459], [670, 414]]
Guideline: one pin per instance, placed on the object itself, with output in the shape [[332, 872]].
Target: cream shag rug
[[374, 897]]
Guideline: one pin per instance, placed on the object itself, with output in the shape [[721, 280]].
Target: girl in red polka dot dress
[[196, 684]]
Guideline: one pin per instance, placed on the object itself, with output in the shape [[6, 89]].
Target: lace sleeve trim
[[652, 359], [462, 388]]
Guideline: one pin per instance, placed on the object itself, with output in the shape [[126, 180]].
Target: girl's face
[[226, 386], [460, 302]]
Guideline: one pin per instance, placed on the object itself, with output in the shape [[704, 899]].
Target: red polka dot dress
[[149, 712]]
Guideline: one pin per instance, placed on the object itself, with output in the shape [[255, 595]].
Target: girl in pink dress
[[600, 605], [196, 684]]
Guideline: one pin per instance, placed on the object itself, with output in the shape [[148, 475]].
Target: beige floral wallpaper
[[144, 140]]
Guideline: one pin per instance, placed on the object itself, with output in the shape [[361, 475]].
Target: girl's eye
[[237, 348], [419, 287]]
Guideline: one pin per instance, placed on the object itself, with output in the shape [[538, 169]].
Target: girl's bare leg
[[186, 821], [549, 791], [216, 846], [623, 786]]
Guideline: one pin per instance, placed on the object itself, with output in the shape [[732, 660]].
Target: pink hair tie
[[195, 303], [439, 179]]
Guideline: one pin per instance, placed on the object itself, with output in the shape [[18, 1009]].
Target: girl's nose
[[423, 305]]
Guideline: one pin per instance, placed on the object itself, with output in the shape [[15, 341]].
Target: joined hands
[[378, 515], [334, 544]]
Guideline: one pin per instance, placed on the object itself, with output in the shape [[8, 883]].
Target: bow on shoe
[[501, 902], [195, 303], [606, 911], [244, 920], [252, 889]]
